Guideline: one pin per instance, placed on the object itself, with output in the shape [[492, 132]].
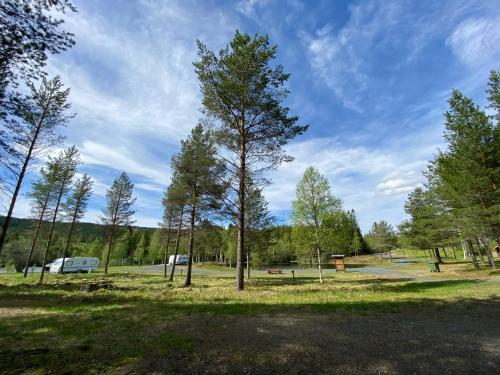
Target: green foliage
[[156, 246], [119, 201], [245, 93], [142, 249], [461, 198], [27, 131], [314, 203], [382, 237], [28, 33]]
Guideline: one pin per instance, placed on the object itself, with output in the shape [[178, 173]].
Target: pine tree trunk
[[491, 259], [68, 242], [479, 250], [110, 245], [37, 231], [51, 230], [437, 255], [454, 253], [240, 282], [8, 218], [70, 233], [187, 281], [176, 249], [165, 254], [472, 255]]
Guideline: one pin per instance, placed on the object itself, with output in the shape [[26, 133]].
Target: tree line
[[215, 197], [459, 203], [30, 122]]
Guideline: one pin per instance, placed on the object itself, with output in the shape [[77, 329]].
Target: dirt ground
[[462, 338]]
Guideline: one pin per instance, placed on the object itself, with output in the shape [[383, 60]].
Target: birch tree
[[313, 202]]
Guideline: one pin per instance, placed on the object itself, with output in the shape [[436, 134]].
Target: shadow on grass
[[161, 335]]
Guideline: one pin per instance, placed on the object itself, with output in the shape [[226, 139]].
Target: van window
[[94, 262], [68, 263], [84, 262]]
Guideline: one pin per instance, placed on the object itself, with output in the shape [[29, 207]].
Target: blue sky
[[371, 78]]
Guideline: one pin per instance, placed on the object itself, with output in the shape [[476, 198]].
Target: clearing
[[392, 318]]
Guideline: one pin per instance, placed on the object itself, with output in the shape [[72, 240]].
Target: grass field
[[147, 325]]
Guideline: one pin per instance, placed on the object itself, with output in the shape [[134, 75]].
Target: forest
[[214, 207]]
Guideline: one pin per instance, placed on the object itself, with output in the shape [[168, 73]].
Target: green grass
[[57, 325]]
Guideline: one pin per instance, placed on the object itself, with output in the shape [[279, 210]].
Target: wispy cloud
[[339, 56], [371, 181], [476, 41]]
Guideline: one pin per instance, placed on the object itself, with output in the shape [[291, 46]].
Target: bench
[[274, 271]]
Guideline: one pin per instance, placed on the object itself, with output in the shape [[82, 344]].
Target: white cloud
[[374, 182], [122, 158], [476, 41], [399, 182], [249, 7], [150, 187], [339, 57]]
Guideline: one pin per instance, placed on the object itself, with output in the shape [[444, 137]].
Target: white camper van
[[77, 264], [181, 259]]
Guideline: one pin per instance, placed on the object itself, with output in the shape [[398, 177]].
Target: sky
[[370, 78]]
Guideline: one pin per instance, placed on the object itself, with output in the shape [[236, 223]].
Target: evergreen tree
[[69, 160], [75, 208], [28, 33], [382, 237], [258, 219], [245, 94], [175, 204], [118, 211], [28, 131], [41, 196], [142, 249], [156, 246], [197, 170]]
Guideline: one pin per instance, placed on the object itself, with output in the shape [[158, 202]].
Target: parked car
[[77, 264]]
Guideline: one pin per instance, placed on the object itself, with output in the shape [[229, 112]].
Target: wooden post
[[293, 275]]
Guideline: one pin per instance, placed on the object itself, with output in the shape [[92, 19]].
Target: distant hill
[[85, 231]]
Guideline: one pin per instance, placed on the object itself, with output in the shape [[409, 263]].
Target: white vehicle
[[77, 264], [181, 259]]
